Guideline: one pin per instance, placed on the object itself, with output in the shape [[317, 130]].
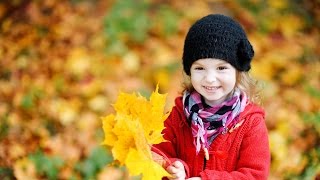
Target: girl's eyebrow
[[222, 63], [218, 64]]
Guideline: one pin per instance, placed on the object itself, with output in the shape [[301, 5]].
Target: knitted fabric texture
[[220, 37], [208, 122]]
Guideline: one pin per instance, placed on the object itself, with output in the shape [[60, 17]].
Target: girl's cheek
[[198, 74], [196, 77]]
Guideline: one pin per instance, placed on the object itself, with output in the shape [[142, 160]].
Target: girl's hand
[[176, 169]]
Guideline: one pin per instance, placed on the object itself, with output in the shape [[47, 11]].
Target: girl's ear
[[245, 54]]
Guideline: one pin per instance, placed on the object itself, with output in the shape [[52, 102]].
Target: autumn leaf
[[138, 163], [131, 132], [125, 139], [108, 123]]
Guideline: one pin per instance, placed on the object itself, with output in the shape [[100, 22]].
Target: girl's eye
[[222, 68], [198, 68]]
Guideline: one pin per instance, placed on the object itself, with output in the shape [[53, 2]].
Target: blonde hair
[[249, 85], [244, 82]]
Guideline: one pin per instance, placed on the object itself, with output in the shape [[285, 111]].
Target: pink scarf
[[208, 122]]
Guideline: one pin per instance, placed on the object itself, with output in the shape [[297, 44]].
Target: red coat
[[241, 154]]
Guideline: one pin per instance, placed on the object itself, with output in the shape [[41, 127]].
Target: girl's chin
[[214, 101]]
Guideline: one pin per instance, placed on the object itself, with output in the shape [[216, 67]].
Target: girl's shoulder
[[177, 115], [252, 117], [252, 111], [178, 106]]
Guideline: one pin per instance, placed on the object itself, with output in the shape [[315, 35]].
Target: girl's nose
[[211, 76]]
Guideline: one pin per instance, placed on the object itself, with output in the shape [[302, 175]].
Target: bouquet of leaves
[[131, 132]]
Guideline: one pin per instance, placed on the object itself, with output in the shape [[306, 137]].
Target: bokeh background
[[63, 63]]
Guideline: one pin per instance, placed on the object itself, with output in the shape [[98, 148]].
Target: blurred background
[[63, 63]]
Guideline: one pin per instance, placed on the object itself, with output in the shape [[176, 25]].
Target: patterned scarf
[[208, 122]]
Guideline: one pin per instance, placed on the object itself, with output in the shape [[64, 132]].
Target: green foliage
[[6, 173], [97, 159], [303, 9], [168, 18], [127, 18], [79, 1], [261, 9], [29, 99], [313, 170], [45, 165], [313, 119], [131, 21], [172, 67], [126, 21], [254, 6], [4, 126], [314, 92]]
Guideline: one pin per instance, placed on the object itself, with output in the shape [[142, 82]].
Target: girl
[[215, 131]]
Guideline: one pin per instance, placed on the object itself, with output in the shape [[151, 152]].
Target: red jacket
[[241, 154]]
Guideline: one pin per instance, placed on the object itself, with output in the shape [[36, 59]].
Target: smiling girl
[[215, 130]]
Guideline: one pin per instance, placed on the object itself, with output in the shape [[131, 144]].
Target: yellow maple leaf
[[123, 132], [131, 132], [140, 139], [108, 123], [139, 163], [155, 125]]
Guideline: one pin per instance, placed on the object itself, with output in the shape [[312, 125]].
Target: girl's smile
[[211, 88]]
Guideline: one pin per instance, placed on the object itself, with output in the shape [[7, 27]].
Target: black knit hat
[[217, 36]]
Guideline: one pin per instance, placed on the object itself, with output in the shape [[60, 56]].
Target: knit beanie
[[220, 37]]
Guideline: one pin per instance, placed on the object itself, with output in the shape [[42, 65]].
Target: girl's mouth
[[210, 88]]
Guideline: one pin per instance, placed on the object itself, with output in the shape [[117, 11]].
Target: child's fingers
[[171, 169], [179, 175], [176, 169], [178, 165]]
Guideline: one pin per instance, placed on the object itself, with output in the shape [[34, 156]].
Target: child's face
[[214, 79]]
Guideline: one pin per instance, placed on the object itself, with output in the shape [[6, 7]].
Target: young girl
[[215, 131]]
